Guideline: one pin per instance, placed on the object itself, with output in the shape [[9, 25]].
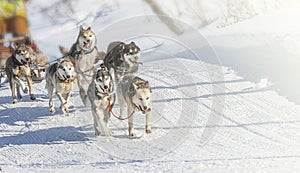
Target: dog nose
[[145, 107], [88, 41], [105, 86], [27, 59], [68, 76]]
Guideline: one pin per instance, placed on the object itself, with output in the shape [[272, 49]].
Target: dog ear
[[132, 43], [81, 28], [134, 86]]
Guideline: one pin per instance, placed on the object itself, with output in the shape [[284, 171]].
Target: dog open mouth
[[144, 111], [136, 62], [105, 91], [86, 45], [25, 62]]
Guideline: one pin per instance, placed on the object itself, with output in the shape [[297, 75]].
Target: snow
[[207, 117]]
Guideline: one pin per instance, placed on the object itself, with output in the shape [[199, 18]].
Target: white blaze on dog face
[[22, 54], [132, 54], [86, 38], [143, 99], [104, 80], [66, 71]]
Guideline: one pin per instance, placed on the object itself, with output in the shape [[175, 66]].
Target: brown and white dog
[[84, 55], [18, 66], [136, 94]]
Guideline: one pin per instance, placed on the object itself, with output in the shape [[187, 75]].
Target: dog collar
[[63, 82]]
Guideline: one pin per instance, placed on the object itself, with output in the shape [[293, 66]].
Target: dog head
[[131, 53], [66, 71], [86, 39], [103, 80], [141, 94], [22, 53]]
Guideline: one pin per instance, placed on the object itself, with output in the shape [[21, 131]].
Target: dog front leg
[[67, 98], [50, 94], [63, 102], [130, 121], [148, 119], [29, 81], [96, 124], [106, 118], [22, 84], [12, 84], [19, 96]]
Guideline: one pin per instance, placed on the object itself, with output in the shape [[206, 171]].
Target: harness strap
[[118, 117]]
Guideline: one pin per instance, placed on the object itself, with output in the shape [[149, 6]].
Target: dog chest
[[64, 87], [21, 71]]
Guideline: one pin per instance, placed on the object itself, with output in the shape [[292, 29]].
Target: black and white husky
[[136, 94], [122, 58], [60, 76], [102, 97]]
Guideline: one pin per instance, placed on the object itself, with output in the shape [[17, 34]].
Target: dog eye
[[141, 98], [147, 98], [90, 35]]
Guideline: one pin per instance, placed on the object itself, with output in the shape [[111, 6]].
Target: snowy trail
[[255, 130], [257, 126]]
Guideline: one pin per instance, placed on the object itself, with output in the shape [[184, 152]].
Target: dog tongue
[[87, 45]]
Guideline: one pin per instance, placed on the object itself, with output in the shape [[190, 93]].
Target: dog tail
[[63, 50]]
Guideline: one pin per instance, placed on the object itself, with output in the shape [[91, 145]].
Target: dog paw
[[132, 134], [32, 97], [97, 133], [52, 110], [148, 131], [15, 101], [25, 90], [108, 133], [19, 97]]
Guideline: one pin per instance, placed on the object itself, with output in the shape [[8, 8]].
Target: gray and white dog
[[137, 95], [18, 66], [60, 76], [84, 55], [122, 58], [102, 97]]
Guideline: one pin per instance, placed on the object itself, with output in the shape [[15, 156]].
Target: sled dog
[[137, 95], [60, 76], [84, 55], [122, 58], [102, 97], [18, 66]]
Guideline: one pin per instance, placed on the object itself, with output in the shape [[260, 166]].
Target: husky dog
[[122, 58], [137, 95], [84, 55], [60, 76], [102, 96], [18, 66]]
